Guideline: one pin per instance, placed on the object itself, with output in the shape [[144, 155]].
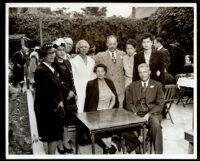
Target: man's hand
[[146, 117]]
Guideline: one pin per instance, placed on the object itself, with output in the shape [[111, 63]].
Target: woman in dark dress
[[101, 95], [48, 105], [188, 68], [63, 67]]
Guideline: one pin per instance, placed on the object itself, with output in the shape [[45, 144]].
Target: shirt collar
[[147, 83], [111, 53], [51, 68], [160, 47]]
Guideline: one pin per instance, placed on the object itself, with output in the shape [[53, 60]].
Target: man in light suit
[[113, 59], [146, 99]]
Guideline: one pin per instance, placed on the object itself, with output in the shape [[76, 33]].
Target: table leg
[[93, 142], [76, 140], [144, 146], [123, 145]]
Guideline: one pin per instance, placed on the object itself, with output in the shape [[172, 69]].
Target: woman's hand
[[71, 94], [61, 104]]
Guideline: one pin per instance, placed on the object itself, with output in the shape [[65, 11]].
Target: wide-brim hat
[[46, 49]]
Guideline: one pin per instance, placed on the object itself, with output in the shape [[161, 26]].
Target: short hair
[[159, 39], [146, 36], [111, 36], [100, 65], [68, 39], [191, 58], [142, 65], [79, 43], [131, 42]]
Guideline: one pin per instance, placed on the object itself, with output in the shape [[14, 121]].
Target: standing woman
[[128, 61], [82, 69], [48, 103], [63, 67]]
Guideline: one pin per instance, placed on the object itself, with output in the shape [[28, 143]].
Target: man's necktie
[[144, 90], [113, 58]]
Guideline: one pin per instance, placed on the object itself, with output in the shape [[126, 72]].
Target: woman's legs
[[52, 147]]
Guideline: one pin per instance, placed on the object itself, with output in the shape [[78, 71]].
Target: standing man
[[113, 59], [145, 98], [158, 44], [152, 58]]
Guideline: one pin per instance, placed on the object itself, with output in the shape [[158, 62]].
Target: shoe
[[117, 141], [68, 150], [112, 149], [61, 151], [105, 150]]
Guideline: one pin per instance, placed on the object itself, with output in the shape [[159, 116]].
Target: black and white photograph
[[101, 80]]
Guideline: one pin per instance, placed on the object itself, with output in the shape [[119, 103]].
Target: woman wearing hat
[[48, 102], [63, 67]]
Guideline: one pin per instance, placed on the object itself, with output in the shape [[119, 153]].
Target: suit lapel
[[149, 90], [138, 90], [52, 75]]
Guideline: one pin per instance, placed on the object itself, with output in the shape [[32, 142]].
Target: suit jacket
[[155, 64], [115, 72], [67, 84], [48, 90], [66, 77], [166, 57], [154, 96], [92, 95]]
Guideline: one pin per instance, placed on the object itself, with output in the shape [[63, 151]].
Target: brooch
[[152, 86]]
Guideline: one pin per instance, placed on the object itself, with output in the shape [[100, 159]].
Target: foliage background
[[170, 23]]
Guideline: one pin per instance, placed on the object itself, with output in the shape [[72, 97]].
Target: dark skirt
[[70, 110], [50, 126]]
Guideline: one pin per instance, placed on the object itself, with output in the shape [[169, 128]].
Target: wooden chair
[[169, 94], [181, 91]]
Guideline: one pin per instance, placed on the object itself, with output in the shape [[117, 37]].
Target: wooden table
[[186, 82], [109, 120]]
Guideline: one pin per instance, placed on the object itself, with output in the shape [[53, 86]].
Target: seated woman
[[188, 67], [101, 95], [48, 104]]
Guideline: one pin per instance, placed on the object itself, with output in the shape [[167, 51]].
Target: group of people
[[67, 83]]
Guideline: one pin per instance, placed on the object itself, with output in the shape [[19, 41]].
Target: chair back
[[169, 92], [180, 76]]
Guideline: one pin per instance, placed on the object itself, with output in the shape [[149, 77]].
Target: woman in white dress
[[82, 69]]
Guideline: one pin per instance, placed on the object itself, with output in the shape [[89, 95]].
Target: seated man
[[146, 99]]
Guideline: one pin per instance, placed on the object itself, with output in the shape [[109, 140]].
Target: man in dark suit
[[158, 44], [146, 99], [152, 58]]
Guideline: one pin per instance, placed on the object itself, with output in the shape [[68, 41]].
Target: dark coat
[[66, 79], [155, 64], [47, 97], [154, 96], [92, 94], [18, 60], [166, 57], [67, 85]]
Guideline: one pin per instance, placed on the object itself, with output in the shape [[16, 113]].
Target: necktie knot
[[113, 58]]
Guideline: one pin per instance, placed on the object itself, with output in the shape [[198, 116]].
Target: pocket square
[[152, 86]]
